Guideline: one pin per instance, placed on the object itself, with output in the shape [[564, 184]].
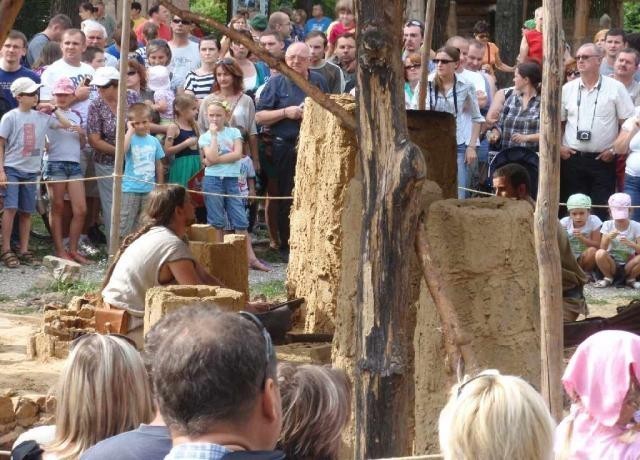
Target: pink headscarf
[[597, 379]]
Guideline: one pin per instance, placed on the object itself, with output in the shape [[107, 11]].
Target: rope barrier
[[199, 192]]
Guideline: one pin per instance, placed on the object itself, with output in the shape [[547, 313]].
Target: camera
[[584, 136]]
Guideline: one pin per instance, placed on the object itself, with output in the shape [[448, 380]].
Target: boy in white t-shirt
[[583, 230], [620, 244]]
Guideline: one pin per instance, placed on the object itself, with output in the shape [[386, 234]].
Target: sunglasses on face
[[132, 72], [483, 36], [412, 66], [584, 57], [573, 73], [29, 94], [442, 61], [185, 22]]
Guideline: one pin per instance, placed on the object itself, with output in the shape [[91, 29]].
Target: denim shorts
[[61, 170], [19, 196], [217, 205]]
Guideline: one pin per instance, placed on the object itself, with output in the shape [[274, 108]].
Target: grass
[[272, 290], [74, 288]]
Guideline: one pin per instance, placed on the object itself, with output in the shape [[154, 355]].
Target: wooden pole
[[581, 21], [393, 169], [114, 236], [429, 17], [546, 220], [10, 10], [309, 89]]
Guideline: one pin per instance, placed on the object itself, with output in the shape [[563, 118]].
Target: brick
[[305, 353], [202, 232], [26, 411], [7, 412]]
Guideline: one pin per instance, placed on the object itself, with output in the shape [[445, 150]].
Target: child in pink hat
[[620, 244]]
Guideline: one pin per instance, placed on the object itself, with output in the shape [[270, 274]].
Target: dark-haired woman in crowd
[[491, 60], [519, 123]]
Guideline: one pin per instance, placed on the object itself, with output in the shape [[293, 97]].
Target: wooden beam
[[429, 18], [393, 170], [546, 215], [10, 10], [581, 22], [309, 89]]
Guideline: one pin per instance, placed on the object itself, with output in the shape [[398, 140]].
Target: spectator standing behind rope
[[13, 50], [491, 60], [628, 144], [601, 421], [103, 390], [519, 123], [492, 416], [56, 27]]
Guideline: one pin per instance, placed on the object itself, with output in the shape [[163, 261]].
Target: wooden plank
[[429, 18], [546, 220], [10, 10]]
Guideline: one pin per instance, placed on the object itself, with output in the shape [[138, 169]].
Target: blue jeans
[[19, 196], [462, 171], [632, 188], [217, 205], [61, 170]]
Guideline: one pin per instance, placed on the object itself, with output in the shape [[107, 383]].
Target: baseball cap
[[619, 205], [579, 201], [24, 85], [258, 22], [63, 86], [158, 78], [104, 75]]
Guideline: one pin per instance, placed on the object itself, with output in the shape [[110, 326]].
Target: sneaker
[[603, 283], [633, 284], [85, 247]]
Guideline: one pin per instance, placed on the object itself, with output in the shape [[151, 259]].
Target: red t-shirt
[[534, 39], [338, 30], [164, 32]]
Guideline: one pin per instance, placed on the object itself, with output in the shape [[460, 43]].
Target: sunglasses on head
[[185, 22], [413, 23], [225, 61], [268, 344]]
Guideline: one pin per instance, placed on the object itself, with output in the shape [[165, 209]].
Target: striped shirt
[[518, 119], [197, 451], [200, 85]]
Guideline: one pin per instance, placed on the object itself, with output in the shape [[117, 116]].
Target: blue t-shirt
[[147, 442], [6, 78], [226, 139], [280, 92], [317, 24], [140, 162]]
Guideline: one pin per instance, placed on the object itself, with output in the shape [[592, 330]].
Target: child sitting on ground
[[143, 167], [620, 244], [22, 134], [583, 230], [160, 83]]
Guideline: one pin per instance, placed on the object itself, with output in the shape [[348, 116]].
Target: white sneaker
[[85, 247], [633, 284], [603, 283]]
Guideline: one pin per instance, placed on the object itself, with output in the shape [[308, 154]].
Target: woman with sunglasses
[[571, 71], [491, 60], [101, 131], [493, 416], [412, 70], [448, 93], [603, 381], [103, 391]]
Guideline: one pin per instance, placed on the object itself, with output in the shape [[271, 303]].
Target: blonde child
[[222, 146], [620, 244], [583, 230], [142, 166], [181, 141], [159, 82], [345, 23]]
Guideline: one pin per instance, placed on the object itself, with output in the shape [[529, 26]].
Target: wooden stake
[[459, 355], [10, 10], [581, 22], [429, 17], [309, 89], [114, 236], [546, 215]]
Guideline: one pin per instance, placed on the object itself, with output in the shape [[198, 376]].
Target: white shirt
[[76, 74], [184, 59], [632, 166], [465, 121], [613, 105]]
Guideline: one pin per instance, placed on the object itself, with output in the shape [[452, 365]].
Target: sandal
[[28, 258], [603, 283], [9, 259]]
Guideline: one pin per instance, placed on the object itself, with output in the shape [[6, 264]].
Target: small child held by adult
[[583, 230], [160, 83], [22, 135], [620, 244], [143, 166], [62, 162], [222, 147]]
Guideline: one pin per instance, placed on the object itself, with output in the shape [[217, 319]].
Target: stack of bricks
[[60, 327], [17, 414]]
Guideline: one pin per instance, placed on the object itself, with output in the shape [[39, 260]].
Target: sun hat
[[619, 205], [24, 85], [104, 75], [63, 86], [579, 201], [158, 78]]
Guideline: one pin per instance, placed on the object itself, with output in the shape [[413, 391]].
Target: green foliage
[[631, 16], [216, 9], [271, 290]]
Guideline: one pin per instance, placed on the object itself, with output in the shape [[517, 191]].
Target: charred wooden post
[[393, 171], [546, 221], [508, 28]]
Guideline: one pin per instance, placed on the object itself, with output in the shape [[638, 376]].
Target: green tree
[[632, 16], [216, 9]]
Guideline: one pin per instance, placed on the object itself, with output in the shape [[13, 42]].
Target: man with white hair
[[96, 36], [280, 107]]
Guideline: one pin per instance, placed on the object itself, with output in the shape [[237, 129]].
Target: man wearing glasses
[[185, 53], [593, 108]]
